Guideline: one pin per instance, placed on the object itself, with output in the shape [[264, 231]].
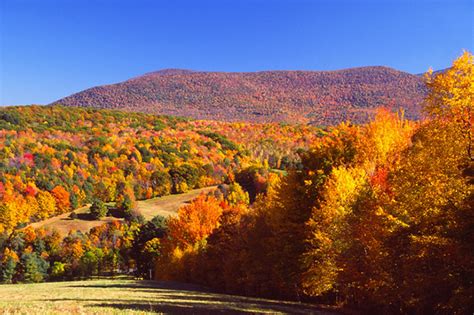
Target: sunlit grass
[[133, 297]]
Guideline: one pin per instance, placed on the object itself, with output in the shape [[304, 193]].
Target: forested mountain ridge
[[316, 97]]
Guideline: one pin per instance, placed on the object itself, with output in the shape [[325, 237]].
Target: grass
[[165, 206], [134, 297], [168, 205]]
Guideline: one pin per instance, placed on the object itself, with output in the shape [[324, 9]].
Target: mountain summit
[[316, 97]]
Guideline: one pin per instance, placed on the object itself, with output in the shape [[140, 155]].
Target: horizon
[[204, 71], [52, 49]]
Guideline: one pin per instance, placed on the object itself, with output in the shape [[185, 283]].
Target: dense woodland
[[379, 218], [376, 217], [315, 97], [54, 159]]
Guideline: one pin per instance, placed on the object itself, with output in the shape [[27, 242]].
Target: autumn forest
[[374, 217]]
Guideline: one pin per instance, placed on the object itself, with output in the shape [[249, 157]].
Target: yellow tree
[[46, 204], [431, 252], [451, 96]]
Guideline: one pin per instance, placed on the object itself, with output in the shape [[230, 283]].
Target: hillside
[[55, 159], [316, 97], [136, 297], [164, 206]]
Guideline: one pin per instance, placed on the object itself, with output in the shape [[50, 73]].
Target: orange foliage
[[194, 221]]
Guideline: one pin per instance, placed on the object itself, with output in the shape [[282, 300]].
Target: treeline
[[131, 246], [379, 218], [36, 255], [55, 159]]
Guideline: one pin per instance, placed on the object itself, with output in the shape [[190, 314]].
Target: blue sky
[[51, 48]]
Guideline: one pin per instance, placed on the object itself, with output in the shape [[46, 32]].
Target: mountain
[[316, 97]]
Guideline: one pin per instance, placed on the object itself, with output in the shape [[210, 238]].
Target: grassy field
[[165, 206], [134, 297], [168, 205]]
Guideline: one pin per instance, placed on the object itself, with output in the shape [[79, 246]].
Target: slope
[[316, 97]]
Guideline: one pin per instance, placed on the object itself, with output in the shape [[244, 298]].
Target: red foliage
[[317, 97], [30, 191]]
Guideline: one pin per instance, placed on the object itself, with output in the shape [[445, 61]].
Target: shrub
[[98, 209]]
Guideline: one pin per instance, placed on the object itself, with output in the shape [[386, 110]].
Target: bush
[[127, 206], [58, 270], [98, 209]]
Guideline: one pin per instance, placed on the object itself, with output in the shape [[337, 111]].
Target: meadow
[[149, 208], [125, 296]]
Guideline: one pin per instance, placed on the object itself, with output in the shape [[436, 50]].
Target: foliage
[[36, 267], [375, 217], [451, 97], [315, 97], [378, 218], [54, 159], [98, 209]]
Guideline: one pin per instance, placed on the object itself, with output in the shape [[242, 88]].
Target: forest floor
[[136, 297], [165, 206]]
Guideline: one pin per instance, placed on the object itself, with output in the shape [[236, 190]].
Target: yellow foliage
[[451, 97], [342, 188]]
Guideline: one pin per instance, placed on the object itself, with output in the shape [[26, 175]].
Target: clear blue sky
[[50, 49]]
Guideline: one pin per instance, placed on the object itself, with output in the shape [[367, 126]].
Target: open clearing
[[165, 206], [134, 297]]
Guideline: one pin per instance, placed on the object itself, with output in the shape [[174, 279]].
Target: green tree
[[160, 183], [58, 270], [89, 263], [8, 270], [35, 267], [98, 209], [127, 207], [145, 259]]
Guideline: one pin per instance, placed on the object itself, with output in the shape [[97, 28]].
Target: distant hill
[[316, 97]]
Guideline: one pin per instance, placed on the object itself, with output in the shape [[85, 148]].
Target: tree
[[194, 221], [58, 270], [8, 270], [46, 203], [35, 267], [156, 230], [252, 179], [236, 195], [98, 209], [127, 207], [160, 183], [89, 263], [429, 253], [184, 177], [126, 202], [62, 199], [8, 264], [451, 97]]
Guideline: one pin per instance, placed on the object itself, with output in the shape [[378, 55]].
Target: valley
[[371, 216]]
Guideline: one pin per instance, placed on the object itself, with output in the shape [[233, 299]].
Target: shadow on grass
[[144, 284], [172, 309], [171, 297]]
